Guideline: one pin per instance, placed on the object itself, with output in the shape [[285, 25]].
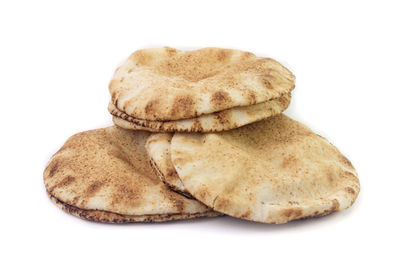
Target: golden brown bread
[[272, 171], [105, 175], [156, 87]]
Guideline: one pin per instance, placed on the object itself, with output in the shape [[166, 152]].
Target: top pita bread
[[105, 175], [272, 171], [165, 84]]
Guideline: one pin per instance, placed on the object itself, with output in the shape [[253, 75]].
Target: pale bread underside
[[110, 217], [158, 147], [109, 170], [219, 121], [164, 84], [272, 171]]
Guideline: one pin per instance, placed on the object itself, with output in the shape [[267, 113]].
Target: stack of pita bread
[[200, 134]]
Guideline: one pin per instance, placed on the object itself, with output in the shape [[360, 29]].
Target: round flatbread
[[104, 175], [160, 85], [215, 122], [158, 147], [272, 171]]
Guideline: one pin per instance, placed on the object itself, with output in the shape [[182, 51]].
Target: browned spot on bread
[[292, 213], [93, 189], [220, 98], [201, 194], [177, 202], [66, 181], [53, 167], [223, 55], [335, 205], [347, 173], [171, 172], [197, 125], [350, 190], [126, 194], [221, 203], [267, 80], [345, 161], [183, 105], [113, 95], [151, 106], [222, 118], [289, 161], [246, 215], [171, 51], [330, 175], [251, 96], [62, 184]]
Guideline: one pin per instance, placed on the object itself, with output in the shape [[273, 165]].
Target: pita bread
[[104, 175], [158, 147], [272, 171], [110, 217], [215, 122], [161, 85]]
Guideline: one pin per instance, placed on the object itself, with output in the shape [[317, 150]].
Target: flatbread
[[166, 84], [158, 147], [104, 175], [110, 217], [215, 122], [272, 171]]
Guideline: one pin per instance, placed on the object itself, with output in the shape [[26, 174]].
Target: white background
[[55, 64]]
